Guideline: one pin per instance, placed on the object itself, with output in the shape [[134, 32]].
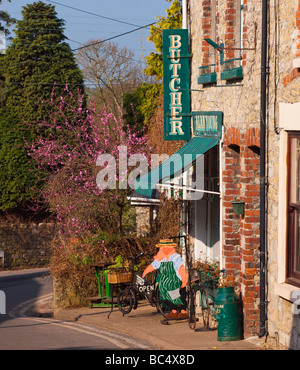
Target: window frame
[[292, 277], [232, 68], [207, 73]]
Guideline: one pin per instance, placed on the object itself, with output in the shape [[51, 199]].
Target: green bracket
[[181, 56], [181, 115]]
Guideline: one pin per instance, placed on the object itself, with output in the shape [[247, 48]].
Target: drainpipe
[[184, 211], [221, 199], [263, 169]]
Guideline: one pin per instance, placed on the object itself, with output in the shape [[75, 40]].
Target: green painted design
[[169, 281]]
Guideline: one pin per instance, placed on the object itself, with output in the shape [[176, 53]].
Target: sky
[[88, 20]]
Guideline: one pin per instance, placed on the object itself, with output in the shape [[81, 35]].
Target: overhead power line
[[121, 34], [113, 37], [109, 18], [102, 41], [96, 15]]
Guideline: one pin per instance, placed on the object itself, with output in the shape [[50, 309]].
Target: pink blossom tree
[[67, 153]]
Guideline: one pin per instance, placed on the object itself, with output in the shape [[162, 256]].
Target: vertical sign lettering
[[176, 85]]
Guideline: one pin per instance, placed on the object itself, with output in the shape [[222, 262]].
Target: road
[[19, 331]]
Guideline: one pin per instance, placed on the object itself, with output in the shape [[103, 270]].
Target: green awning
[[180, 161]]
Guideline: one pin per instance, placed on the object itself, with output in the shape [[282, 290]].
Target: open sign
[[146, 288]]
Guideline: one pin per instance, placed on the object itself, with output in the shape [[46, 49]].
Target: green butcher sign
[[176, 85]]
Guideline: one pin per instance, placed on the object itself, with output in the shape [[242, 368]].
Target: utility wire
[[113, 37], [122, 34], [96, 15], [102, 41], [112, 19]]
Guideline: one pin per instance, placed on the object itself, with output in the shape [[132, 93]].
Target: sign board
[[207, 124], [176, 85]]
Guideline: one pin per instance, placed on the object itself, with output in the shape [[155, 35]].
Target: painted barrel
[[229, 315]]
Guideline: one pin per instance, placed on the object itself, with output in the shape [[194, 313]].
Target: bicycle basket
[[119, 277]]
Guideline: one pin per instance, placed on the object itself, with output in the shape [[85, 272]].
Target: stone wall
[[283, 325], [26, 245], [143, 221], [239, 100]]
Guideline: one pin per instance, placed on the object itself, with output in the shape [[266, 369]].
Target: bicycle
[[203, 285], [138, 288]]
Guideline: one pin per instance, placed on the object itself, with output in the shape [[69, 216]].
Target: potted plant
[[209, 272], [119, 272], [226, 282]]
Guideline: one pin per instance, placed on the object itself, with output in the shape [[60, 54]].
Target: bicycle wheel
[[204, 306], [161, 305], [212, 312], [192, 309], [126, 301], [150, 297]]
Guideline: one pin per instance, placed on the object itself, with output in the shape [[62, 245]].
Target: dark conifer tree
[[37, 59]]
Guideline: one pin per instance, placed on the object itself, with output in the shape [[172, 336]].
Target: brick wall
[[250, 230], [244, 33], [231, 189], [207, 31], [230, 35], [241, 233], [241, 110]]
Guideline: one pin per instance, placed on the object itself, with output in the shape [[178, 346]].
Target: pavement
[[147, 325]]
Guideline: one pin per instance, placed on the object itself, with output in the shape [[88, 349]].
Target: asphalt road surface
[[18, 291]]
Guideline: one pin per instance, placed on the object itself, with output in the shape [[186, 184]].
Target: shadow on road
[[21, 288]]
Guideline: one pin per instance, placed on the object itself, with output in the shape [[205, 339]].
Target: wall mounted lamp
[[239, 208]]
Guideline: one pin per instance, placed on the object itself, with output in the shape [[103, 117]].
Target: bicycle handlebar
[[140, 255]]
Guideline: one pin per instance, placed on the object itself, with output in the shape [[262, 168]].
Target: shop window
[[232, 66], [207, 72], [293, 232]]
